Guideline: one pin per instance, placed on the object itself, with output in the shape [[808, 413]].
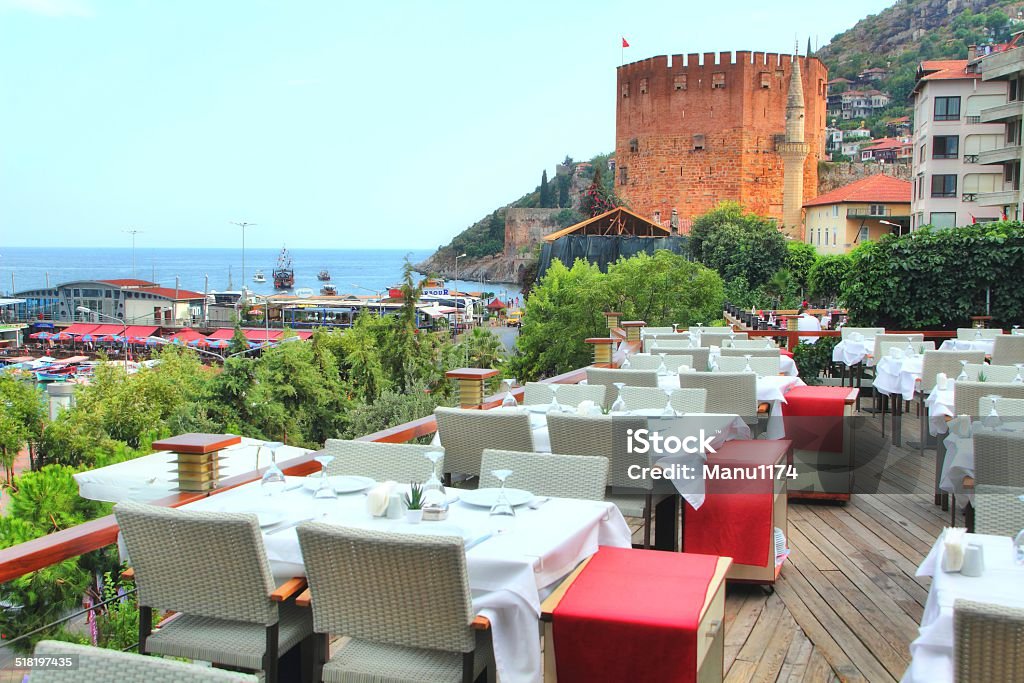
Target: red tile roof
[[877, 189], [175, 294], [946, 69], [129, 282]]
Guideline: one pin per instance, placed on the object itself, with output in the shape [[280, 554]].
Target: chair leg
[[647, 525], [270, 654], [321, 653], [145, 627], [467, 666]]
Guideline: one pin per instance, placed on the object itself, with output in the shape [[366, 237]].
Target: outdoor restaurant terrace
[[838, 570]]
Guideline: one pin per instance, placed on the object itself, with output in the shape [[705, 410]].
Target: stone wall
[[683, 143], [526, 227], [835, 175]]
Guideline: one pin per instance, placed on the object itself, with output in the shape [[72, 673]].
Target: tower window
[[625, 89], [634, 146], [698, 142], [643, 86], [766, 80], [679, 82], [718, 79], [623, 175], [657, 217]]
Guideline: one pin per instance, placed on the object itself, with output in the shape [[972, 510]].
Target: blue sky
[[327, 123]]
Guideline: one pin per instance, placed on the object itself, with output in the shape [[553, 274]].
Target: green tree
[[545, 191], [736, 243], [800, 258], [826, 276], [664, 288], [239, 342], [21, 420]]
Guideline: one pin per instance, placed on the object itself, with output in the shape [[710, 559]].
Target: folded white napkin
[[377, 498], [953, 549], [587, 407], [941, 381]]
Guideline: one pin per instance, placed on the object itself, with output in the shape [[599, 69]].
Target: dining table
[[510, 571], [853, 351], [1000, 583], [986, 345]]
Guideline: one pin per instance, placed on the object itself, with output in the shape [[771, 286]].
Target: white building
[[135, 302], [1006, 69], [949, 171]]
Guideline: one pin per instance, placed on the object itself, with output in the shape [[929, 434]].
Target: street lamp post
[[243, 225], [456, 332], [133, 232], [124, 330]]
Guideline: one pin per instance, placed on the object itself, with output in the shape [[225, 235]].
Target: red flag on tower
[[624, 43]]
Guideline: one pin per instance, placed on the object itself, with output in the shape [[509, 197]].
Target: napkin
[[378, 497], [953, 549], [587, 407], [941, 381]]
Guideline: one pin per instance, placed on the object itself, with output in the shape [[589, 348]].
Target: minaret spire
[[794, 152]]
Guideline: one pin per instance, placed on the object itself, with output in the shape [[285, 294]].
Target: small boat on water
[[259, 277], [323, 276], [284, 275], [329, 290]]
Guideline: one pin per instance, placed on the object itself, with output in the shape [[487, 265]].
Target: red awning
[[79, 329], [187, 335], [303, 334], [250, 334], [107, 329], [140, 331]]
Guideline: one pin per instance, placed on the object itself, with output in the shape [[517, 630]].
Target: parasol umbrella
[[495, 305], [218, 343], [87, 338], [39, 335], [62, 336]]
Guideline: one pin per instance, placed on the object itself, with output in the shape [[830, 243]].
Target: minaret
[[793, 152]]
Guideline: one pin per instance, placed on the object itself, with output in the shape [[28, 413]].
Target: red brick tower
[[692, 133]]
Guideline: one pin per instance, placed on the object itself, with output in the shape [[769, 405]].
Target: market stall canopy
[[495, 305], [613, 223]]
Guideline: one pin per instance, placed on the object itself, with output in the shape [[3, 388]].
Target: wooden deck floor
[[847, 604]]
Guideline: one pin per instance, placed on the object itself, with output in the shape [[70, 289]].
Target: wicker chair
[[466, 433], [539, 393], [897, 339], [867, 332], [700, 355], [652, 362], [740, 352], [605, 436], [947, 362], [607, 377], [381, 461], [1002, 374], [403, 599], [1008, 349], [761, 344], [988, 643], [762, 366], [967, 395], [684, 401], [549, 474], [972, 333], [1006, 407], [212, 568], [651, 331], [998, 510], [709, 339], [916, 347], [96, 664], [732, 393], [724, 329], [677, 342]]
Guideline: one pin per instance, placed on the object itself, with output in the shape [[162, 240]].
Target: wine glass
[[325, 497], [732, 337], [669, 411], [992, 420], [1015, 330], [1019, 379], [509, 401], [433, 483], [662, 368], [747, 368], [675, 327], [910, 348], [502, 513], [977, 335], [272, 481], [962, 377], [619, 405], [625, 360], [554, 406]]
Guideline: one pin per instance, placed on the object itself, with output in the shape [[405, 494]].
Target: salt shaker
[[394, 510], [974, 560]]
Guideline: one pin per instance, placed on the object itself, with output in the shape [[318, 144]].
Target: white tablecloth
[[149, 478], [959, 460], [507, 572], [941, 404], [850, 352], [932, 650], [985, 345], [898, 375]]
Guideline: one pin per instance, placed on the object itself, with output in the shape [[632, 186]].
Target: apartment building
[[950, 138], [1005, 68]]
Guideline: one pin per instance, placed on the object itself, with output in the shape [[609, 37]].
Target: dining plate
[[343, 483], [268, 517], [487, 497], [451, 494]]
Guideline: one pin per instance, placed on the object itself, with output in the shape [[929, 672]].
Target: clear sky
[[327, 123]]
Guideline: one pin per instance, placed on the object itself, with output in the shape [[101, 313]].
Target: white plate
[[451, 493], [267, 517], [343, 483], [487, 497]]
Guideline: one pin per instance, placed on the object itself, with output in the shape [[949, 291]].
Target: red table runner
[[632, 615], [736, 517], [814, 418], [786, 352]]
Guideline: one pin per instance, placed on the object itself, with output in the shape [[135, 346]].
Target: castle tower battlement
[[694, 130]]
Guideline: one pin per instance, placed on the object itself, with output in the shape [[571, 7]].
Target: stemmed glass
[[625, 361], [502, 513], [554, 406], [1019, 379], [992, 420], [669, 410], [732, 337], [675, 327], [977, 335], [747, 368], [272, 481], [962, 377], [662, 368], [1015, 330], [619, 405], [325, 496], [509, 401], [433, 482]]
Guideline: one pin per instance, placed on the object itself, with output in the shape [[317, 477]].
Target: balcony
[[1000, 65], [1004, 112], [880, 212], [1000, 156], [1004, 198], [970, 158], [969, 196]]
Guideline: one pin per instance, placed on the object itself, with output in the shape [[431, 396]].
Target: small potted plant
[[414, 503]]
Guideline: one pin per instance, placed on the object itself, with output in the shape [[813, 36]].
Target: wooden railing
[[67, 543]]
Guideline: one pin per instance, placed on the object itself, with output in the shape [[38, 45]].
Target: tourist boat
[[259, 277], [323, 276], [284, 276], [329, 290]]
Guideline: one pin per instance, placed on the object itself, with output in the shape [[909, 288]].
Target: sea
[[355, 271]]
